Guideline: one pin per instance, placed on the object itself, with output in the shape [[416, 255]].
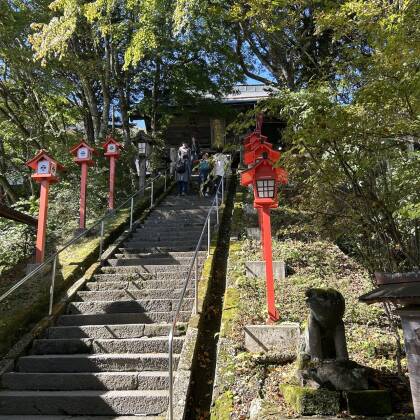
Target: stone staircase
[[107, 355]]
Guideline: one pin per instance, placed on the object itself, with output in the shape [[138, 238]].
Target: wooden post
[[273, 315], [83, 189], [111, 182], [42, 222]]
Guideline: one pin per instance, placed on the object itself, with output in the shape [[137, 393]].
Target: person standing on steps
[[183, 173], [220, 163], [184, 150], [203, 173]]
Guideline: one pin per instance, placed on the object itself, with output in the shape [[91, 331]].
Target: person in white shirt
[[184, 150], [220, 163]]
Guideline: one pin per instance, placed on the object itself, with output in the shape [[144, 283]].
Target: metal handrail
[[53, 257], [214, 205]]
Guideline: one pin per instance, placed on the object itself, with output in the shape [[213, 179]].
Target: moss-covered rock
[[223, 407], [308, 401]]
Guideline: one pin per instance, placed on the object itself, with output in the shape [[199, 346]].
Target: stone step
[[165, 244], [174, 255], [141, 277], [141, 235], [83, 402], [117, 381], [151, 263], [99, 346], [111, 362], [127, 306], [146, 285], [145, 269], [120, 318], [141, 247], [125, 295], [115, 331]]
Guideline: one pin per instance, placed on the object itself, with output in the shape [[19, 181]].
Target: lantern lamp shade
[[112, 147], [266, 188], [45, 167], [142, 148], [83, 153]]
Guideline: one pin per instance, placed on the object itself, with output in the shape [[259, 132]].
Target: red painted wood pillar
[[259, 210], [42, 222], [111, 182], [83, 194], [273, 315]]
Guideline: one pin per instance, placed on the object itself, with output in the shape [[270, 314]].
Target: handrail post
[[217, 207], [54, 268], [101, 242], [196, 287], [151, 195], [131, 213], [171, 385], [208, 236], [166, 175], [223, 188]]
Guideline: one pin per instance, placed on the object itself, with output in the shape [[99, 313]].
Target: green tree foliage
[[353, 142]]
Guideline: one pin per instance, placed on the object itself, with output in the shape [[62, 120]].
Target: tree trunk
[[106, 96]]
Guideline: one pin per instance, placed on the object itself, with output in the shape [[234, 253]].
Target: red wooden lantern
[[265, 179], [83, 156], [46, 168], [112, 151], [112, 148]]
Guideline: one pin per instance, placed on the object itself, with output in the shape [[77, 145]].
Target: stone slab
[[368, 403], [257, 269], [283, 338]]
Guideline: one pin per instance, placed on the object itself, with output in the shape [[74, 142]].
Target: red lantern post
[[45, 168], [265, 179], [83, 154], [112, 151]]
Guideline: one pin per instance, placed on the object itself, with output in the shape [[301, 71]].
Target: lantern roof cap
[[43, 154], [110, 140], [82, 143], [255, 153], [248, 175]]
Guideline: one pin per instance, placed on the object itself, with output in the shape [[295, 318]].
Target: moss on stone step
[[308, 401]]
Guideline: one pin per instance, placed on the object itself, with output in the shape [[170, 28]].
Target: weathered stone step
[[164, 243], [151, 263], [140, 235], [146, 285], [141, 247], [124, 295], [118, 318], [117, 381], [145, 269], [127, 306], [98, 346], [83, 402], [135, 362], [174, 255], [141, 277], [115, 331]]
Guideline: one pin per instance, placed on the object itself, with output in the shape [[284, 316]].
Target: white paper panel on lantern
[[83, 153], [43, 167], [112, 148]]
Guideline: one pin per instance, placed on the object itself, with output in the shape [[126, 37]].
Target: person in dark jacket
[[183, 174]]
